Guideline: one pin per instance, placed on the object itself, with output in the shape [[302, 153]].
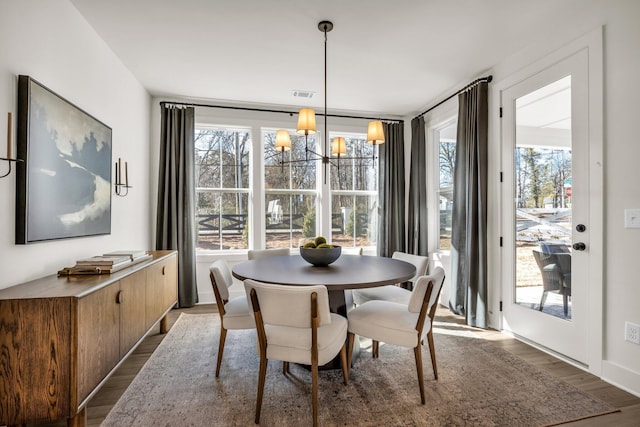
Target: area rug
[[479, 385]]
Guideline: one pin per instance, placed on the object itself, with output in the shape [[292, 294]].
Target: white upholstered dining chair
[[294, 325], [393, 292], [352, 250], [404, 325], [234, 313], [265, 253]]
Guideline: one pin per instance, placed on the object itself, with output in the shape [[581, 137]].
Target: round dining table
[[346, 273]]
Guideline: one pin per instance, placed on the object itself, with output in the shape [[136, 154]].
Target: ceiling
[[384, 58]]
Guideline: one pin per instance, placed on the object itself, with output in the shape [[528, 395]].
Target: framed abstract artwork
[[63, 186]]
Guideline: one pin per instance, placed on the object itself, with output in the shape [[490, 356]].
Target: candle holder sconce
[[122, 187], [9, 141]]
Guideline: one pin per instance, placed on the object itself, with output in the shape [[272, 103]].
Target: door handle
[[579, 246]]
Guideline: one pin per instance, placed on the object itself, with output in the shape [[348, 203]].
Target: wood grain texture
[[61, 337], [161, 288], [34, 355], [53, 286], [98, 338], [132, 310]]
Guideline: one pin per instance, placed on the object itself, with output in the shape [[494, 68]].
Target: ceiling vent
[[303, 94]]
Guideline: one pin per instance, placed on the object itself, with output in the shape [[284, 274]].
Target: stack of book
[[105, 263], [134, 255]]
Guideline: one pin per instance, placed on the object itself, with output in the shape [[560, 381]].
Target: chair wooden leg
[[418, 353], [261, 378], [432, 350], [314, 391], [285, 368], [350, 345], [375, 346], [345, 365], [223, 336]]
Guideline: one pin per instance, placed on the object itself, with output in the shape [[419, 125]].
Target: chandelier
[[307, 126]]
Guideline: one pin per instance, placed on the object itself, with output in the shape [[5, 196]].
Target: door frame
[[593, 43]]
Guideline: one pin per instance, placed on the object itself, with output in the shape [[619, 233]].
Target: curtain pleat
[[417, 240], [175, 226], [469, 215], [391, 233]]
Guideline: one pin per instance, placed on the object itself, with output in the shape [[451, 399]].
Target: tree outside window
[[222, 187], [445, 138], [354, 194], [290, 191]]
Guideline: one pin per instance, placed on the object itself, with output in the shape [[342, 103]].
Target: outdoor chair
[[556, 275]]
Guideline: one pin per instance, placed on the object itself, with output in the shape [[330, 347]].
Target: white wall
[[51, 42], [621, 290]]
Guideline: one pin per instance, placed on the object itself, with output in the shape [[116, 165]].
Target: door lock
[[579, 246]]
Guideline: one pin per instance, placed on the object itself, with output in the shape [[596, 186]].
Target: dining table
[[347, 273]]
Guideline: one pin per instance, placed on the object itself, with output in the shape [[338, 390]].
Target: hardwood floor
[[628, 404]]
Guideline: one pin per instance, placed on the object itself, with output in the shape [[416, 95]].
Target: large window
[[354, 194], [250, 196], [222, 187], [290, 191], [445, 141]]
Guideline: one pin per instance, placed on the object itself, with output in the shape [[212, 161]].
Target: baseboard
[[621, 377]]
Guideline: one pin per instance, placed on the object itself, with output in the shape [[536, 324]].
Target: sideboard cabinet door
[[132, 310], [35, 336], [162, 289], [98, 337]]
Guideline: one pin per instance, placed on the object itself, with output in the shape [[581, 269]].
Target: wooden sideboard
[[62, 337]]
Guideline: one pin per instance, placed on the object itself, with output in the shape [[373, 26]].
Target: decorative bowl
[[320, 257]]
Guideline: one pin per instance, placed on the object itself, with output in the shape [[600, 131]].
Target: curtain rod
[[469, 86], [266, 110]]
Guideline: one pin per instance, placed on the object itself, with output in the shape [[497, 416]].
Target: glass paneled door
[[542, 199], [545, 200]]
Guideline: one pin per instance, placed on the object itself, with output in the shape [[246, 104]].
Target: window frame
[[435, 120], [257, 122], [354, 193], [226, 190]]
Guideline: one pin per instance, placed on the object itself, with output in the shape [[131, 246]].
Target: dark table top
[[348, 272]]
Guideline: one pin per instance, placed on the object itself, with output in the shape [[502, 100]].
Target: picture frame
[[63, 185]]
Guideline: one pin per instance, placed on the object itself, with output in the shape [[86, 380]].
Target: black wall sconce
[[9, 144], [122, 187]]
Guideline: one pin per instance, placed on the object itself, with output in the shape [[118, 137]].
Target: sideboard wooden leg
[[80, 420], [164, 324]]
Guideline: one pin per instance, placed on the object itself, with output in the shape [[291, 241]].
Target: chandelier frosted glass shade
[[306, 122], [375, 133]]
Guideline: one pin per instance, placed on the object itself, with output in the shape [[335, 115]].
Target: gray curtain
[[391, 220], [175, 226], [417, 222], [469, 215]]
